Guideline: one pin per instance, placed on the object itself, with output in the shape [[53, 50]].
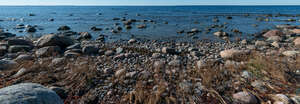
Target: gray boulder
[[48, 51], [54, 40], [19, 48], [16, 41], [90, 49], [28, 93], [7, 64]]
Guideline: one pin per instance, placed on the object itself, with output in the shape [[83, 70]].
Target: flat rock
[[291, 53], [232, 53], [54, 40], [7, 64], [48, 51], [28, 93], [273, 33], [244, 98]]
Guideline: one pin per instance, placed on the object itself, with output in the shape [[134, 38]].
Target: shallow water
[[178, 18]]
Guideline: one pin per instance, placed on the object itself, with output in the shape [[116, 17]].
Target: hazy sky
[[149, 2]]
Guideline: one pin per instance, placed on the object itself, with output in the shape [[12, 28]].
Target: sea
[[168, 20]]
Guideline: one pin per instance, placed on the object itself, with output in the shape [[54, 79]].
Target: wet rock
[[297, 41], [54, 40], [141, 26], [4, 35], [51, 19], [132, 41], [128, 26], [168, 50], [84, 36], [90, 49], [61, 92], [28, 93], [232, 53], [31, 14], [94, 28], [3, 50], [273, 33], [244, 98], [119, 28], [23, 57], [64, 28], [228, 17], [7, 64], [221, 34], [114, 31], [48, 51], [19, 48], [31, 30], [291, 53], [116, 19]]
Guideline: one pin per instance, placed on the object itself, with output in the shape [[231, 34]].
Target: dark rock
[[48, 51], [19, 48], [84, 36], [96, 29], [74, 46], [141, 26], [23, 57], [90, 49], [6, 65], [15, 41], [63, 28], [168, 50], [54, 40], [31, 29]]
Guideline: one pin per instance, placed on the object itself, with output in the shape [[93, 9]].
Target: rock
[[201, 64], [296, 99], [196, 53], [221, 34], [22, 71], [51, 19], [297, 41], [167, 50], [4, 35], [141, 26], [71, 54], [194, 30], [274, 38], [244, 98], [54, 40], [28, 93], [84, 36], [119, 57], [156, 55], [57, 61], [246, 74], [7, 64], [63, 28], [244, 42], [74, 46], [128, 26], [251, 47], [19, 48], [259, 85], [23, 57], [48, 51], [232, 53], [282, 98], [94, 28], [3, 50], [109, 53], [295, 31], [273, 33], [120, 72], [31, 30], [275, 44], [31, 14], [59, 91], [291, 53], [119, 50], [16, 41], [175, 63], [90, 49], [132, 41], [261, 43]]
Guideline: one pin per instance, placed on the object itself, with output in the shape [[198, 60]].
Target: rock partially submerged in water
[[63, 28], [221, 34], [28, 93]]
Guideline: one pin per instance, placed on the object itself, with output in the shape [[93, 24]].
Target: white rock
[[291, 53]]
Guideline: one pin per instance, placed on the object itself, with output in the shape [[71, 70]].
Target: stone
[[119, 57], [168, 50], [3, 50], [16, 41], [295, 31], [132, 41], [156, 55], [48, 51], [244, 42], [84, 36], [297, 41], [296, 99], [71, 54], [109, 53], [90, 49], [196, 53], [119, 50], [23, 57], [28, 93], [275, 44], [96, 29], [260, 43], [141, 26], [201, 64], [120, 72], [74, 46], [19, 48], [245, 98], [7, 64], [54, 40], [175, 63], [291, 53], [57, 61], [273, 33], [22, 71], [63, 28], [232, 53], [274, 38], [31, 30], [282, 98], [61, 92], [221, 34], [246, 74]]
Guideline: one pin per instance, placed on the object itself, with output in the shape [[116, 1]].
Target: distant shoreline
[[237, 5]]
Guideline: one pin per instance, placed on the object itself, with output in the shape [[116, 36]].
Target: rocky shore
[[57, 68]]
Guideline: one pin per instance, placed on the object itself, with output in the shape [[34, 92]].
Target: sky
[[149, 2]]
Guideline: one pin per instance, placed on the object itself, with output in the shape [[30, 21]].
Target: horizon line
[[170, 5]]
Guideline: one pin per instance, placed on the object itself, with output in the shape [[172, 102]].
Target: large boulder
[[54, 40], [273, 33], [28, 93], [63, 28], [245, 98], [48, 51], [16, 41]]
